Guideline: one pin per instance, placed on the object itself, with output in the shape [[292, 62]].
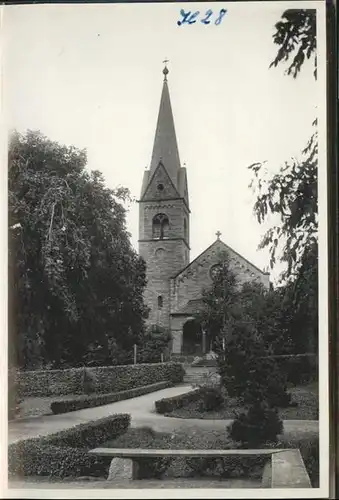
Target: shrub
[[259, 425], [211, 398], [166, 405], [298, 368], [155, 343], [229, 467], [100, 380], [65, 453], [266, 383], [103, 399]]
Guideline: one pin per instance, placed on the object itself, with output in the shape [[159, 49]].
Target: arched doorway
[[192, 338]]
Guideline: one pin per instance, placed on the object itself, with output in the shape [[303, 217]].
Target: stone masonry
[[174, 285]]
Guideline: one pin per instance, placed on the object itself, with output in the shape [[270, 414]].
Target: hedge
[[166, 405], [65, 453], [100, 380], [298, 368], [50, 382], [103, 399]]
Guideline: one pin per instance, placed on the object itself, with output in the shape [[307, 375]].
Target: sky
[[91, 76]]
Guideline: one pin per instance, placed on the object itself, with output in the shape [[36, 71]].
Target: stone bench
[[285, 467]]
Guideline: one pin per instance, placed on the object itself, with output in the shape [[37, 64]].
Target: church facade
[[174, 283]]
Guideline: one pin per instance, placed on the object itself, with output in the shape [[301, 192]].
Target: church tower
[[163, 215]]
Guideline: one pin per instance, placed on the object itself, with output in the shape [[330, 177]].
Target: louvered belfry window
[[160, 226]]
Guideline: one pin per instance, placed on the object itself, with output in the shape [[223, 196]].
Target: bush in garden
[[167, 405], [155, 343], [257, 426], [266, 383], [211, 398], [246, 370]]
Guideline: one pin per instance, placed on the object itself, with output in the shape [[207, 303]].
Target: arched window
[[160, 302], [160, 226], [185, 228]]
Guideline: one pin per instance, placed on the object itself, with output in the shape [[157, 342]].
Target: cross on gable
[[218, 234]]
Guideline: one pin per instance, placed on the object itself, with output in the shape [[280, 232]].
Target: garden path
[[142, 413]]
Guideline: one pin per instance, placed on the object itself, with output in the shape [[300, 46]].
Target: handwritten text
[[207, 18]]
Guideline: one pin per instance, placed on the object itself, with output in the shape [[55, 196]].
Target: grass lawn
[[39, 406], [306, 408]]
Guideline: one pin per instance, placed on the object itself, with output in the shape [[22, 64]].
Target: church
[[174, 282]]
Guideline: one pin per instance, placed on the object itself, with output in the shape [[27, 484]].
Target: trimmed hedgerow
[[99, 380], [210, 398], [166, 405], [65, 453], [103, 399], [50, 382], [121, 378], [33, 459]]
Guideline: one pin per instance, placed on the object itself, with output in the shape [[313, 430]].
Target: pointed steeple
[[165, 148]]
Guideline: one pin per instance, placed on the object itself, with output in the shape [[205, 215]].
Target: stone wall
[[164, 257]]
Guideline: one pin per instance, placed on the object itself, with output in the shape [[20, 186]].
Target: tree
[[296, 36], [292, 196], [264, 307], [219, 302], [242, 320], [74, 278]]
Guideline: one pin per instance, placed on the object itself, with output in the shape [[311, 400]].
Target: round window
[[160, 186]]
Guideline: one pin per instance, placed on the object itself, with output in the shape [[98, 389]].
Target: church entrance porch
[[192, 338], [188, 338]]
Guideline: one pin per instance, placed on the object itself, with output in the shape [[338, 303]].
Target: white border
[[323, 490]]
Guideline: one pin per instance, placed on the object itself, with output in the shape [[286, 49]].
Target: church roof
[[165, 147], [218, 241]]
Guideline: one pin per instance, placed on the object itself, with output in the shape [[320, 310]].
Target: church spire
[[165, 148]]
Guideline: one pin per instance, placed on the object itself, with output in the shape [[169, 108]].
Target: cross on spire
[[165, 70], [218, 234]]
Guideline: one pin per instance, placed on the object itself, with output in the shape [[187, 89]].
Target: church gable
[[160, 186], [189, 283]]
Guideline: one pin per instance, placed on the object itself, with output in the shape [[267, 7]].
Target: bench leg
[[123, 468]]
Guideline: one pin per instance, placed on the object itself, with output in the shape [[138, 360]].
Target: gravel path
[[142, 412]]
